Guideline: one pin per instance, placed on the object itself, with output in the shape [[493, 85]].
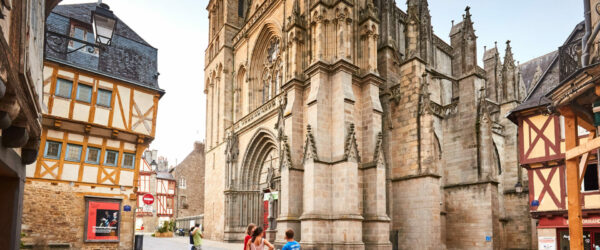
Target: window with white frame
[[182, 183]]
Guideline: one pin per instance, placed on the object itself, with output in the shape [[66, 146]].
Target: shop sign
[[546, 243], [102, 220], [562, 222]]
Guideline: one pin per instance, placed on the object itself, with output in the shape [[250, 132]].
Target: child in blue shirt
[[291, 243]]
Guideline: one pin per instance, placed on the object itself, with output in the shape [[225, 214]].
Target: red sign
[[562, 222], [102, 221], [148, 199]]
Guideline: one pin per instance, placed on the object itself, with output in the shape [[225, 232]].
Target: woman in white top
[[257, 242]]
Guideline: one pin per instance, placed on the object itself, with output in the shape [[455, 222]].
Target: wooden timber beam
[[577, 151], [573, 187]]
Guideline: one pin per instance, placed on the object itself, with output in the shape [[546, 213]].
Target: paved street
[[175, 243]]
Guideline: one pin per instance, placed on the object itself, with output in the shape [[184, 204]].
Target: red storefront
[[591, 232]]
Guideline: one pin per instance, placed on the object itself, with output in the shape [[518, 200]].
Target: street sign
[[148, 199]]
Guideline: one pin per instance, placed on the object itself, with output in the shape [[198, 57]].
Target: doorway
[[591, 238]]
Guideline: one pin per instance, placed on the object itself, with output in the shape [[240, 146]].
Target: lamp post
[[103, 23], [519, 187]]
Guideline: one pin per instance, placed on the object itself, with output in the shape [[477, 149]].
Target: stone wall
[[55, 213], [192, 170], [472, 216], [517, 226]]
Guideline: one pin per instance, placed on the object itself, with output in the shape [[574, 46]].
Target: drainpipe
[[588, 30]]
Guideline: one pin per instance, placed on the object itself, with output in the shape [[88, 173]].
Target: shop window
[[73, 153], [84, 93], [52, 150], [590, 179], [63, 88], [128, 160], [111, 157], [104, 97], [92, 155]]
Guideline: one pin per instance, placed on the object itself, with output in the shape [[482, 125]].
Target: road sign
[[148, 199]]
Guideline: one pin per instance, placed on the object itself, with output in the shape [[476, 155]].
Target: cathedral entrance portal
[[253, 193]]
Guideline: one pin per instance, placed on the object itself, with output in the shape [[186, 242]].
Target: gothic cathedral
[[352, 123]]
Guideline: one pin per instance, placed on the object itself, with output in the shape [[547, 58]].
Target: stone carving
[[395, 94], [280, 124], [350, 147], [379, 156], [310, 149], [231, 150], [285, 158], [368, 12], [443, 111], [425, 101], [295, 19], [258, 13], [270, 176]]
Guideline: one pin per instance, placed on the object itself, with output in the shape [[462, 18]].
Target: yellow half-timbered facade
[[99, 116]]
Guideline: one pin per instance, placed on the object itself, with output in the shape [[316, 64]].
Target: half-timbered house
[[156, 180], [555, 129], [100, 109]]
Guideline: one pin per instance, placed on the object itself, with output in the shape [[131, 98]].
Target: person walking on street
[[197, 234], [291, 243], [249, 232], [258, 242], [192, 238]]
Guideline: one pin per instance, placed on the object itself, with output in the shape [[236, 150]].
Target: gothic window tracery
[[272, 76]]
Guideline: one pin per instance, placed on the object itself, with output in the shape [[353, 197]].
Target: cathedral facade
[[352, 123]]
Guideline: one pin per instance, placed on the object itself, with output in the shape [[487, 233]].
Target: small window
[[73, 153], [128, 160], [110, 159], [63, 88], [52, 150], [104, 97], [182, 183], [84, 93], [182, 202], [590, 179], [93, 155]]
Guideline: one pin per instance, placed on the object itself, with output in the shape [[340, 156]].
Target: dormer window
[[81, 32]]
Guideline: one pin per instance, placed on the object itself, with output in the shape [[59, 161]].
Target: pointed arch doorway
[[254, 196]]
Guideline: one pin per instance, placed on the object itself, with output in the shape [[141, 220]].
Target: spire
[[296, 8], [508, 56]]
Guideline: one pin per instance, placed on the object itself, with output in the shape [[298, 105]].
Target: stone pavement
[[178, 242]]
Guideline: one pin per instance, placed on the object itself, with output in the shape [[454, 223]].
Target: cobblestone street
[[176, 243]]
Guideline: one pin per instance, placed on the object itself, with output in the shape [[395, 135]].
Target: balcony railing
[[569, 56]]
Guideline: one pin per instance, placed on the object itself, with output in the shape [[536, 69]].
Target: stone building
[[154, 178], [100, 104], [21, 59], [189, 175], [354, 124]]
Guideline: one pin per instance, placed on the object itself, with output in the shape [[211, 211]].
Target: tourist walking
[[257, 242], [249, 232], [192, 238], [291, 243], [197, 234]]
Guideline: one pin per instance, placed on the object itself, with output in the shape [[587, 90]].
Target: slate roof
[[164, 175], [129, 58]]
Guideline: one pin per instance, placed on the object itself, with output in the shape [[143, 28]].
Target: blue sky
[[179, 29]]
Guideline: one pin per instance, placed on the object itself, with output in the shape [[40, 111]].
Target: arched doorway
[[254, 196]]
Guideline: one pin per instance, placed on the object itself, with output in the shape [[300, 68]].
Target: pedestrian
[[197, 234], [291, 243], [257, 242], [192, 237], [249, 231]]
